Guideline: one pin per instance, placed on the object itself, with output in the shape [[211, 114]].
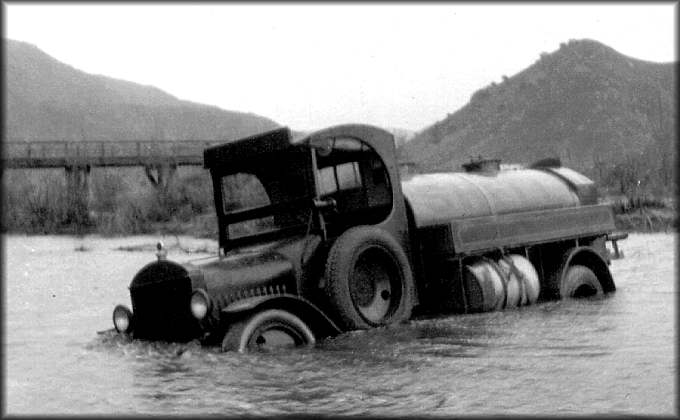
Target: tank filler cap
[[482, 165], [552, 162]]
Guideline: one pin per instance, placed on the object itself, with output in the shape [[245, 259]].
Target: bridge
[[62, 154], [159, 159]]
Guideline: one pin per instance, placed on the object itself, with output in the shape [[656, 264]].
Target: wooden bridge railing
[[52, 154]]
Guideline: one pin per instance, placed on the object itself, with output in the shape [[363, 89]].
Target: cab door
[[352, 175]]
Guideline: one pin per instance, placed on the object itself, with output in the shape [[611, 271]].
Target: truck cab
[[271, 185]]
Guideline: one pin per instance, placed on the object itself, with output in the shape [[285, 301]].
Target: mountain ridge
[[585, 103], [50, 100]]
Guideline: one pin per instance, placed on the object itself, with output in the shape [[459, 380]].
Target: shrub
[[35, 202]]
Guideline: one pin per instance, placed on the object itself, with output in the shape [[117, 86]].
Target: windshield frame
[[299, 157]]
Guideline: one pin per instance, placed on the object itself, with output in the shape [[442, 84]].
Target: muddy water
[[615, 355]]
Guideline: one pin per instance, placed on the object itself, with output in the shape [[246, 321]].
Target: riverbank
[[643, 214], [200, 226], [119, 204], [647, 220], [641, 220], [122, 204]]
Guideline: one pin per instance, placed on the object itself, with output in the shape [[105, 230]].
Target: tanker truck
[[320, 234]]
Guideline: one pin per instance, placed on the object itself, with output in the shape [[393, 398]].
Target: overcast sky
[[313, 65]]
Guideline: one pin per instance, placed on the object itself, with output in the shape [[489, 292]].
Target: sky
[[309, 66]]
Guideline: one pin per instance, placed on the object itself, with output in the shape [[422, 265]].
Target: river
[[615, 355]]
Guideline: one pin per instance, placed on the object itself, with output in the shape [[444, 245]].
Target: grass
[[643, 212], [120, 202], [646, 219]]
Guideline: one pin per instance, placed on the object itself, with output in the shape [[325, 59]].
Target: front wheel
[[267, 331]]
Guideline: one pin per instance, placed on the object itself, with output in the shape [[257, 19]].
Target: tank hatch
[[482, 165]]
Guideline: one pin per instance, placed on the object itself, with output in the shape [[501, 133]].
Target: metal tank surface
[[319, 235], [442, 197], [487, 207]]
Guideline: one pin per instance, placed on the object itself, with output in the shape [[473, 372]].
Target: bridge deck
[[56, 154]]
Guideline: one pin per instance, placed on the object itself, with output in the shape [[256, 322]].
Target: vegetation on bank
[[123, 202], [644, 214], [642, 191]]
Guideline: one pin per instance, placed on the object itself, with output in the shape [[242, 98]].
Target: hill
[[401, 135], [597, 110], [49, 100]]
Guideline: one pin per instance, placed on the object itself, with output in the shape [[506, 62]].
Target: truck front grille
[[160, 295]]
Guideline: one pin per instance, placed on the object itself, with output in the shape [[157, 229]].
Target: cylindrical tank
[[441, 197]]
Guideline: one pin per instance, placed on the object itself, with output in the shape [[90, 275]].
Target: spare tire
[[485, 286], [369, 281], [519, 269]]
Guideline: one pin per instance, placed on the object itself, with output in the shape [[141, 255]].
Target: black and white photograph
[[267, 209]]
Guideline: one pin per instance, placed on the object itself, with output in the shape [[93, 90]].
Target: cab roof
[[283, 138], [247, 148]]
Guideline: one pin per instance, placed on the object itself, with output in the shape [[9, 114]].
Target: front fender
[[319, 322]]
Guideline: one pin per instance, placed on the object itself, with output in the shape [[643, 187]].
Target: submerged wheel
[[266, 331], [580, 281], [368, 279]]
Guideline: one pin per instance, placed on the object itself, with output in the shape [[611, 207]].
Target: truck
[[320, 234]]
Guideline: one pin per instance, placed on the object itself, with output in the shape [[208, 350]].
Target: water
[[615, 355]]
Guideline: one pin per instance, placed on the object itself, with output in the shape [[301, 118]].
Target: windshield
[[272, 195], [245, 192]]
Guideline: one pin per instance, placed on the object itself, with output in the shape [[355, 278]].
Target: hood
[[271, 268]]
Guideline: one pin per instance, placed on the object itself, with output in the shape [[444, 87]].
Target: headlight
[[200, 304], [122, 319]]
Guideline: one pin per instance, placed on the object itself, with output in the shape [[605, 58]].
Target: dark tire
[[368, 279], [580, 281], [266, 331]]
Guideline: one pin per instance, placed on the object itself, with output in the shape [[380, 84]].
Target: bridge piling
[[78, 191], [160, 174]]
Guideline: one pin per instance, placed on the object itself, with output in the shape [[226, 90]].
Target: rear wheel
[[580, 281], [268, 330]]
